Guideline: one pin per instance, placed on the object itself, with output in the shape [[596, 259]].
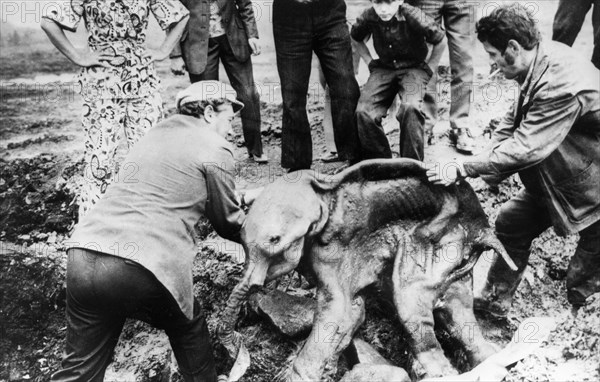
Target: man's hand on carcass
[[446, 172], [247, 197], [252, 194], [178, 66]]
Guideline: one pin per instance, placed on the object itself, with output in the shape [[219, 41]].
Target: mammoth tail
[[488, 240]]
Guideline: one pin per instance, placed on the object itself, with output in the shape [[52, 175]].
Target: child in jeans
[[401, 38]]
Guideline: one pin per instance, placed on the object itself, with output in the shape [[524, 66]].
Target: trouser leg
[[92, 332], [376, 97], [332, 46], [596, 25], [458, 20], [568, 20], [211, 71], [190, 341], [430, 105], [433, 8], [241, 78], [521, 219], [413, 83], [293, 46], [583, 274]]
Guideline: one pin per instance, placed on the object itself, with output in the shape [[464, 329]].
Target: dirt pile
[[36, 197], [32, 320]]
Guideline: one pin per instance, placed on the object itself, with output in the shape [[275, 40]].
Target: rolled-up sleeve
[[548, 122], [222, 207], [168, 12], [420, 21], [360, 30], [67, 13]]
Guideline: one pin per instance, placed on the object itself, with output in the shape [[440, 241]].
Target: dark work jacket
[[400, 42], [551, 137], [239, 24]]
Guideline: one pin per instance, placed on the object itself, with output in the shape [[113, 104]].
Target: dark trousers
[[522, 219], [376, 97], [457, 17], [241, 78], [299, 29], [102, 291], [569, 19]]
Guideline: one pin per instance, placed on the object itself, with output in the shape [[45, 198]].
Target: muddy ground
[[40, 169]]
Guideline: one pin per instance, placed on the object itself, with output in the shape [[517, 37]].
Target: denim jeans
[[458, 18], [568, 21], [299, 29], [376, 97], [241, 78], [522, 219], [103, 290]]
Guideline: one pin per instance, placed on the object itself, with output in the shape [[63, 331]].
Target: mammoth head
[[286, 213]]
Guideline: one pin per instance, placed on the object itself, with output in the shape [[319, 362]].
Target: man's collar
[[532, 66]]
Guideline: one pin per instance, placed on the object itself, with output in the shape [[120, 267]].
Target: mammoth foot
[[481, 352], [432, 363], [375, 373]]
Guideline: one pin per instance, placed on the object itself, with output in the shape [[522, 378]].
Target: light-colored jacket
[[551, 137], [178, 172]]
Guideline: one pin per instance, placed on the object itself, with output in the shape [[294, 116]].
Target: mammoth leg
[[415, 309], [414, 297], [458, 319], [338, 316]]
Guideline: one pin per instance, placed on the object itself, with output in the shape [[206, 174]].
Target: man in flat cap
[[132, 254]]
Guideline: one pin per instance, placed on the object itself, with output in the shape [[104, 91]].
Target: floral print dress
[[124, 98]]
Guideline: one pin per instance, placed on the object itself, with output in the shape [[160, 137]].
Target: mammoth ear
[[320, 219]]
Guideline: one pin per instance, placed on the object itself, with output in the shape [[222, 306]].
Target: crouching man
[[551, 138], [132, 254]]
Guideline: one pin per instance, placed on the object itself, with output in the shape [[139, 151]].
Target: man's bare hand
[[254, 46], [445, 173], [178, 66], [251, 194]]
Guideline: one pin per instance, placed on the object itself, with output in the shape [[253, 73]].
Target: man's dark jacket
[[239, 24], [551, 137]]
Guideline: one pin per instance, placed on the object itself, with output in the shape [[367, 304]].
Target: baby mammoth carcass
[[377, 220]]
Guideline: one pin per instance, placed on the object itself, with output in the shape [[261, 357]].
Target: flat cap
[[208, 90]]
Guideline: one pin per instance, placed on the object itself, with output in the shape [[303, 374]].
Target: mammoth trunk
[[487, 240], [229, 338]]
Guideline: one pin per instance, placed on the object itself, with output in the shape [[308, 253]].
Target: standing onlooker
[[225, 30], [400, 36], [299, 28], [569, 19], [457, 18], [119, 86]]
